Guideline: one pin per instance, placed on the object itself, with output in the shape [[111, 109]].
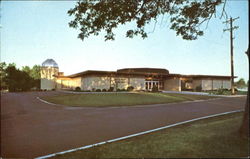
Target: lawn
[[120, 99], [215, 137]]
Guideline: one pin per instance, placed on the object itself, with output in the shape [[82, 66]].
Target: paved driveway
[[30, 128]]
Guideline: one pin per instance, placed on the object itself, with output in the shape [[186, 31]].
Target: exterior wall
[[68, 83], [197, 83], [217, 84], [105, 82], [120, 82], [48, 81], [137, 83], [214, 84], [206, 85], [173, 84], [227, 84], [93, 83]]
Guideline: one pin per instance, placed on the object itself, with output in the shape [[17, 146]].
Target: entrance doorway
[[150, 84]]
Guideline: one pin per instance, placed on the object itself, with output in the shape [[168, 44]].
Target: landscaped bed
[[121, 99], [215, 137]]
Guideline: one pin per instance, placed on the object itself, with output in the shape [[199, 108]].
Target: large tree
[[92, 17], [17, 80], [34, 73], [14, 79], [241, 83], [186, 16]]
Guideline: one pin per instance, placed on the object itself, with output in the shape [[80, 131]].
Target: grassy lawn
[[226, 92], [120, 99], [215, 137]]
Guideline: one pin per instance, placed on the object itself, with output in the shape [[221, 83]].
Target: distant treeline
[[14, 79]]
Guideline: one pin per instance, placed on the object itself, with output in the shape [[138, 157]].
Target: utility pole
[[230, 21]]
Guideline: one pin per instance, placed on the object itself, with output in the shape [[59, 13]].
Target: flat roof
[[140, 72]]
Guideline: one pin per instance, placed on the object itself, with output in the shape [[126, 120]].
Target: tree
[[244, 129], [17, 80], [3, 66], [186, 17], [34, 73], [14, 79], [241, 83], [3, 74]]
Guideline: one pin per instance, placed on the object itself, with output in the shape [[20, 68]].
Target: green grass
[[215, 137], [226, 92], [120, 99]]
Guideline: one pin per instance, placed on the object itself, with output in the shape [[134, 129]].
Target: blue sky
[[32, 31]]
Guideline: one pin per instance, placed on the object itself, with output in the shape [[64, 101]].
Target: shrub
[[53, 89], [104, 90], [78, 89], [118, 90], [130, 88], [198, 88], [123, 89], [155, 89], [93, 89], [111, 89], [98, 90], [221, 91]]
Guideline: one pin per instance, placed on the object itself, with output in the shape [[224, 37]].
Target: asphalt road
[[31, 128]]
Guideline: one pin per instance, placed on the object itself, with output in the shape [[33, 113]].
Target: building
[[138, 78]]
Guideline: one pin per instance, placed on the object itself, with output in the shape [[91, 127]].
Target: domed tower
[[49, 71]]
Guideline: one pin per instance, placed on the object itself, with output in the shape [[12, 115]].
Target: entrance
[[150, 84]]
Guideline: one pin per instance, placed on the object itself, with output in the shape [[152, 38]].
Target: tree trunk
[[244, 129]]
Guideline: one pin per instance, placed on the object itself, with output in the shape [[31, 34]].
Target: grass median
[[121, 99], [215, 137]]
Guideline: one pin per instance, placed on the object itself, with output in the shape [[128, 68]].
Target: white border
[[137, 134], [44, 101]]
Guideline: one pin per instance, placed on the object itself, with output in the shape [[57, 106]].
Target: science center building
[[139, 78]]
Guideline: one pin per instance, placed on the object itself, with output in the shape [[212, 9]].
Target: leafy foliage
[[14, 79], [241, 83], [77, 89], [130, 88], [93, 16]]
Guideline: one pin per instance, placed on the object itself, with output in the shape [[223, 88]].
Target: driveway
[[31, 128]]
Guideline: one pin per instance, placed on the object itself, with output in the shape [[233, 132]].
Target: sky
[[33, 31]]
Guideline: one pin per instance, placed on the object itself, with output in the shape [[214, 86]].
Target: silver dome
[[49, 63]]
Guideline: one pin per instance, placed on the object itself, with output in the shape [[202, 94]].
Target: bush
[[123, 89], [111, 89], [222, 91], [130, 88], [98, 90], [104, 90], [53, 89], [93, 89], [118, 90], [155, 89], [198, 88], [78, 89]]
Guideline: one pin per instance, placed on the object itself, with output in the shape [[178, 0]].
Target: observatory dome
[[49, 63]]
